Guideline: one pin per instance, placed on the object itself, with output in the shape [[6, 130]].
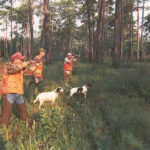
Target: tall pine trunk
[[100, 39], [117, 33], [89, 30], [86, 43], [143, 13], [41, 17], [17, 48], [99, 31], [138, 31], [31, 27], [92, 42], [45, 39], [11, 32], [6, 40], [4, 45], [131, 55], [29, 38], [103, 34], [121, 34]]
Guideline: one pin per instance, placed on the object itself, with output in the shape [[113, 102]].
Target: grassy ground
[[114, 117]]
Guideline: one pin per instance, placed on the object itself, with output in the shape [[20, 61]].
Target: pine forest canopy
[[96, 29]]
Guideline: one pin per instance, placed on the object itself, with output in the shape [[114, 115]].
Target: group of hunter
[[12, 89]]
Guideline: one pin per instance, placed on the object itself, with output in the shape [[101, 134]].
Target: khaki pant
[[67, 75]]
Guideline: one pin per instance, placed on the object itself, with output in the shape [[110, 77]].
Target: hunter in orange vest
[[12, 88], [68, 67], [38, 71]]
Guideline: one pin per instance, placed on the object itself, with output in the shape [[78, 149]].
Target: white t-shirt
[[66, 60]]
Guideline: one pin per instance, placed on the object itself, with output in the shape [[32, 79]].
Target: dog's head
[[59, 90], [88, 85]]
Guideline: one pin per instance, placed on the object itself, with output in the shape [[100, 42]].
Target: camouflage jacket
[[12, 68]]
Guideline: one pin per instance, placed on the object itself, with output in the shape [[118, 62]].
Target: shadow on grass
[[2, 143]]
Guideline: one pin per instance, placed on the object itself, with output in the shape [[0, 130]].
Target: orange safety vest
[[1, 78], [39, 69], [12, 83], [3, 87], [68, 66]]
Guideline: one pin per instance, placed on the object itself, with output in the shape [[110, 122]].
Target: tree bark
[[89, 30], [117, 33], [92, 43], [31, 27], [11, 32], [131, 56], [45, 39], [29, 38], [138, 30], [17, 40], [103, 34], [6, 40], [86, 43], [143, 13], [41, 16], [99, 29], [121, 34], [4, 46], [100, 39]]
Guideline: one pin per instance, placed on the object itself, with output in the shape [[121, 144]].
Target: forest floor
[[115, 115]]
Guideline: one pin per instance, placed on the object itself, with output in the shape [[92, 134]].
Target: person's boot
[[22, 111], [6, 112]]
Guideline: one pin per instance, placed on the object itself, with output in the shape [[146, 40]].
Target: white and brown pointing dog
[[48, 96], [77, 90]]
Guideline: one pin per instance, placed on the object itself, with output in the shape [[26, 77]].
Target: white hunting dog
[[77, 90], [48, 96]]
